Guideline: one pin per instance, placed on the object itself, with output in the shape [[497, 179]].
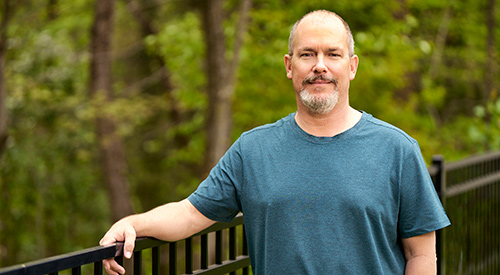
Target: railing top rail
[[472, 160], [62, 262], [145, 243], [471, 185], [98, 253]]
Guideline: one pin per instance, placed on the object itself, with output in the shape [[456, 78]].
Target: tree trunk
[[218, 124], [491, 62], [221, 79], [3, 88], [112, 153]]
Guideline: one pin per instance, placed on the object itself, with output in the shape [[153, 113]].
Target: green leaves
[[485, 131]]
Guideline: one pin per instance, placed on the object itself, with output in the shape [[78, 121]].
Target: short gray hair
[[350, 39]]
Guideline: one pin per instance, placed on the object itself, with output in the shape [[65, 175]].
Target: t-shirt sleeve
[[217, 196], [421, 210]]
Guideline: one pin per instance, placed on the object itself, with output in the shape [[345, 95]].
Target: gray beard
[[319, 105]]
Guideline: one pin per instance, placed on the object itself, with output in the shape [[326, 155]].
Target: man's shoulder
[[385, 130], [267, 129]]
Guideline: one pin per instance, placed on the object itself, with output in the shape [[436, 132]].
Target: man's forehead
[[321, 16], [325, 19], [331, 30]]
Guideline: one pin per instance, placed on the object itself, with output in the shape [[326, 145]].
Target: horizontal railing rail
[[471, 173], [74, 261]]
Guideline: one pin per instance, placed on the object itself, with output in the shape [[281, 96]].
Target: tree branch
[[146, 25], [440, 42]]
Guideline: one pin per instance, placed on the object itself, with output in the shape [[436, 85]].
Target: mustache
[[311, 79]]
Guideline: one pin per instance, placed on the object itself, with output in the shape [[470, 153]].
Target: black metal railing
[[470, 192], [231, 255]]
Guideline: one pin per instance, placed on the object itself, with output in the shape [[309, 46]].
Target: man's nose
[[320, 66]]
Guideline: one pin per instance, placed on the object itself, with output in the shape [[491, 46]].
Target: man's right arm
[[169, 222]]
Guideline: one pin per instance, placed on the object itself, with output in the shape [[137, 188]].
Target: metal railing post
[[137, 262], [172, 262], [439, 185], [204, 251], [189, 255], [155, 260], [218, 247]]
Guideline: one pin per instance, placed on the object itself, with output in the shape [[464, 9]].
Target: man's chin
[[319, 102]]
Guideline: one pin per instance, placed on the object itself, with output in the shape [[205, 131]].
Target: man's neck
[[335, 122]]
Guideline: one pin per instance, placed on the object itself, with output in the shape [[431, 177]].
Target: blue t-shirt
[[324, 205]]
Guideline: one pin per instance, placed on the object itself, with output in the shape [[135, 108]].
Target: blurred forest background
[[112, 107]]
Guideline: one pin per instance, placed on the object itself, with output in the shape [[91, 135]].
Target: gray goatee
[[319, 104]]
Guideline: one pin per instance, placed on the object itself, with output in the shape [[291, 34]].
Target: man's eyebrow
[[309, 49], [334, 49], [306, 49]]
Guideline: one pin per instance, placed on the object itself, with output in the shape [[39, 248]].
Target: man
[[326, 190]]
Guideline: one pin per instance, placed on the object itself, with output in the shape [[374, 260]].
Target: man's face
[[320, 67]]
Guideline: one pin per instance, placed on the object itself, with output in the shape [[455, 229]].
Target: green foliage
[[485, 131], [181, 44], [50, 179]]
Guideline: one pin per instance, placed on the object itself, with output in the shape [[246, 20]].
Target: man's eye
[[306, 55], [334, 55]]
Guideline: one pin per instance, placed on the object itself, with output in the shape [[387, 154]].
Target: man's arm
[[170, 222], [420, 253]]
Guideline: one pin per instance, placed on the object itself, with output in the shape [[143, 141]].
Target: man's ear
[[353, 67], [288, 66]]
